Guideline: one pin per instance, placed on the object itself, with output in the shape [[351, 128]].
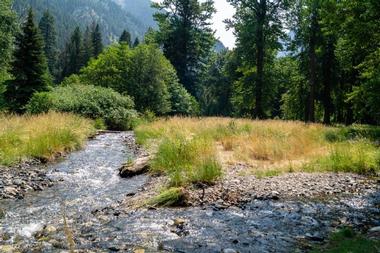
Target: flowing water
[[88, 180], [87, 197]]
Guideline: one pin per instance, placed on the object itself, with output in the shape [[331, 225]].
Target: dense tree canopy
[[143, 73], [186, 37], [7, 31], [29, 67]]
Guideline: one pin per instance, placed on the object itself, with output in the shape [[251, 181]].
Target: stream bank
[[89, 207]]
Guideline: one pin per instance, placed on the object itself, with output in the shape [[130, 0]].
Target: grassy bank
[[42, 136], [196, 150], [347, 241]]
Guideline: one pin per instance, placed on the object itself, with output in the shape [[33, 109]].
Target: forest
[[315, 61], [275, 140]]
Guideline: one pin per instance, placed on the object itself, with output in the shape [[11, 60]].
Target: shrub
[[89, 101], [143, 73]]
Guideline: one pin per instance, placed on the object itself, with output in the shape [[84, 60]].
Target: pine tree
[[88, 49], [126, 38], [186, 37], [73, 54], [136, 42], [47, 27], [29, 68], [97, 40]]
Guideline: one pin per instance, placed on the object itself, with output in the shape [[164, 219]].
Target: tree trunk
[[327, 80], [260, 50], [312, 67]]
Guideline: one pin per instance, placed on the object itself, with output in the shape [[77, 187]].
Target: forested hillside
[[141, 9], [112, 18]]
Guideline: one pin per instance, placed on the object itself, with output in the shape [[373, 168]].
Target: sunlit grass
[[42, 136], [268, 147]]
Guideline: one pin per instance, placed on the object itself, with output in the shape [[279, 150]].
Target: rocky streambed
[[89, 209]]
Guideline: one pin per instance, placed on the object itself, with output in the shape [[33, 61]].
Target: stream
[[81, 211]]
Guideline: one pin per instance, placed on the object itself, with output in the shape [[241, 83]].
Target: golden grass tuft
[[41, 136]]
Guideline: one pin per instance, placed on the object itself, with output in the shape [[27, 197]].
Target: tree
[[73, 54], [7, 32], [88, 47], [144, 74], [258, 26], [136, 42], [29, 67], [47, 28], [125, 37], [216, 86], [97, 43], [186, 37]]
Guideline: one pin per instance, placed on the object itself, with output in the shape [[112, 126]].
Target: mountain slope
[[141, 9], [70, 13]]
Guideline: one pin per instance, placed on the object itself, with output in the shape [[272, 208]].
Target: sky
[[223, 11]]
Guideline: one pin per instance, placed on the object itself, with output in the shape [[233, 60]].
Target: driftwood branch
[[137, 167]]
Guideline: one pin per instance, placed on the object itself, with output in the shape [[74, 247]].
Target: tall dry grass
[[268, 146], [41, 136]]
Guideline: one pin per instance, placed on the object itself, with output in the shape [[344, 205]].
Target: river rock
[[7, 248], [229, 251], [139, 166], [11, 191], [179, 222], [374, 229]]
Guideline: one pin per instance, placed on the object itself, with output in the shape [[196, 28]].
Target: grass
[[347, 241], [169, 197], [198, 150], [42, 136], [269, 145]]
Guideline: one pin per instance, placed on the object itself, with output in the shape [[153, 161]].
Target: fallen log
[[137, 167]]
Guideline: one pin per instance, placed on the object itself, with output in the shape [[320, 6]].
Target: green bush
[[143, 73], [89, 101]]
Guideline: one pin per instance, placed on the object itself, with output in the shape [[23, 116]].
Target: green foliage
[[87, 100], [29, 67], [97, 43], [49, 34], [125, 37], [144, 74], [353, 132], [347, 241], [80, 49], [186, 37], [7, 32], [72, 57], [216, 87], [258, 28]]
